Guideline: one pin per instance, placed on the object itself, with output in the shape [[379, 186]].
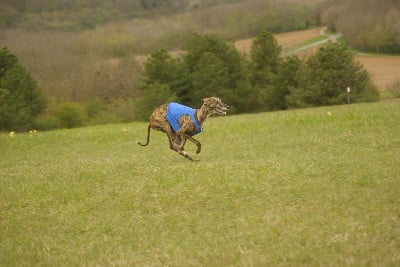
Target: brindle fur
[[158, 122]]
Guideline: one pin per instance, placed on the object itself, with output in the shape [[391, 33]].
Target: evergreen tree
[[217, 68], [265, 60], [163, 69], [325, 77], [285, 79], [7, 60], [20, 98], [164, 79], [210, 76]]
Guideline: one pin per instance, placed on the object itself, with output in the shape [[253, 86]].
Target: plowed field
[[385, 70]]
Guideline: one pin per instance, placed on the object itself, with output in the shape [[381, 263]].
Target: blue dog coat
[[175, 111]]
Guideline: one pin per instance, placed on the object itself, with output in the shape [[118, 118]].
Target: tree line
[[259, 81]]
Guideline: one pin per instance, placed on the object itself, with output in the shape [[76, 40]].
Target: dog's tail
[[148, 137]]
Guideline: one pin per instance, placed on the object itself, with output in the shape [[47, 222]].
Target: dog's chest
[[175, 111]]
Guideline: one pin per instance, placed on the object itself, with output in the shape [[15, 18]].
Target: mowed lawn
[[311, 187]]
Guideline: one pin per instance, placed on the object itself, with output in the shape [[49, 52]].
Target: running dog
[[181, 123]]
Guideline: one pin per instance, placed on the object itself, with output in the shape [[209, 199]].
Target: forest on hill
[[366, 24], [79, 14], [87, 14]]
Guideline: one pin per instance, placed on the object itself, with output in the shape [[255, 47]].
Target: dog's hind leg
[[186, 155], [177, 143], [171, 139]]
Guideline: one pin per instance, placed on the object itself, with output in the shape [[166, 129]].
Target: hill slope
[[311, 187]]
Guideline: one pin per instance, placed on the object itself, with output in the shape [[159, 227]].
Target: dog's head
[[215, 105]]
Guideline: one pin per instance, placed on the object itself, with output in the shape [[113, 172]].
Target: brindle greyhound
[[188, 122]]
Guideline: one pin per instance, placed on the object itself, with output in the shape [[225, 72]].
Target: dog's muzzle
[[222, 110]]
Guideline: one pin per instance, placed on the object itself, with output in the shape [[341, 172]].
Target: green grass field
[[312, 187]]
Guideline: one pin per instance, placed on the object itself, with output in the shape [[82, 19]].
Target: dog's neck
[[202, 114]]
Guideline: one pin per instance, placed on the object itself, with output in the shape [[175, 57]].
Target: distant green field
[[312, 187]]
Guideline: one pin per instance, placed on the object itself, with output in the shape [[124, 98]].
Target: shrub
[[46, 122], [94, 107], [71, 115], [117, 111]]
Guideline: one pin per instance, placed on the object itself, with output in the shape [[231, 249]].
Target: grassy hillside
[[313, 187]]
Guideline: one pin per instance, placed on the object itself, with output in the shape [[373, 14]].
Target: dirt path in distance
[[285, 40]]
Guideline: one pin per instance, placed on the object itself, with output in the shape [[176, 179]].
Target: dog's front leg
[[197, 143], [181, 147], [186, 126], [183, 135]]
